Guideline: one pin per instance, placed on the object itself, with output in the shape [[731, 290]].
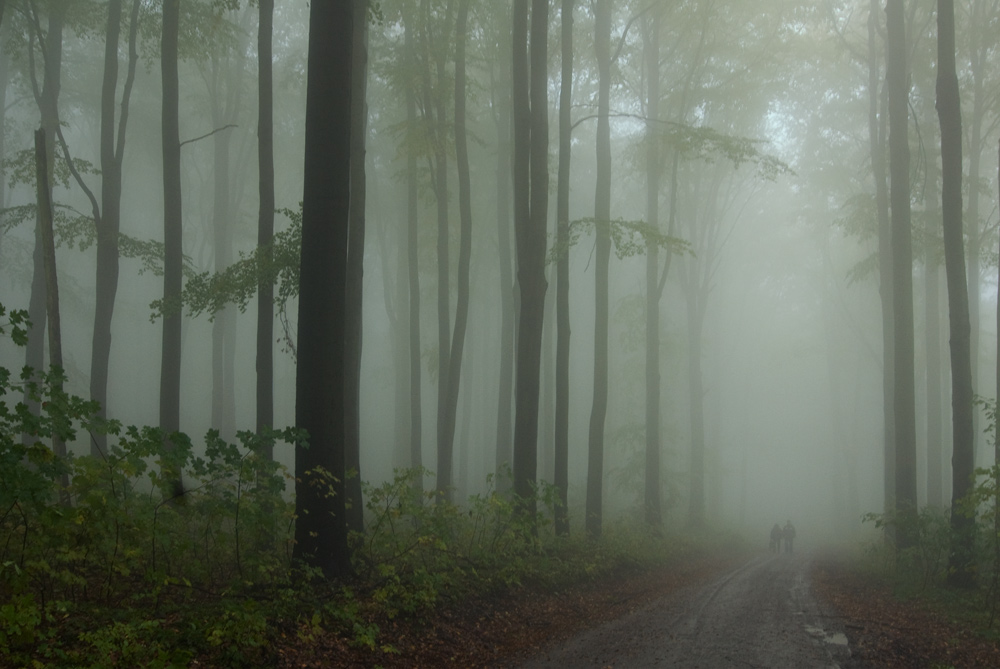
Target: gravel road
[[761, 614]]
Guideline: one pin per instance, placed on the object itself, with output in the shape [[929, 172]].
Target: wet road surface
[[761, 614]]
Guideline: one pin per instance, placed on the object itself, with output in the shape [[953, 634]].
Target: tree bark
[[961, 567], [355, 268], [602, 217], [321, 527], [562, 273], [932, 330], [531, 149], [265, 219], [412, 265], [651, 51], [170, 360]]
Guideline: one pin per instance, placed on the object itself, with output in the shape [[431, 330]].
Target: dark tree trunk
[[109, 222], [961, 567], [531, 145], [265, 219], [904, 404], [355, 269], [170, 361], [651, 51], [44, 199], [48, 105], [457, 338], [932, 330], [4, 80], [412, 267], [504, 436], [321, 525], [562, 273], [602, 216]]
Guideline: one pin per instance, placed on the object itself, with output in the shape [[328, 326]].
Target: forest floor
[[522, 627]]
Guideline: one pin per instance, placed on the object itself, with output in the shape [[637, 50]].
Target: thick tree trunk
[[651, 51], [355, 269], [602, 216], [321, 525], [531, 148], [961, 567], [562, 273], [265, 219], [932, 332], [170, 360]]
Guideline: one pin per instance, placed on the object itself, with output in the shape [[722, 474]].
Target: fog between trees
[[770, 323]]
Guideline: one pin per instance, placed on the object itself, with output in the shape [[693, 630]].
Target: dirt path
[[760, 614]]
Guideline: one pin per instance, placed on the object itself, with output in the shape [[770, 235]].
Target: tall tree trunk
[[651, 51], [170, 360], [4, 80], [979, 47], [436, 100], [44, 196], [504, 433], [531, 148], [602, 217], [876, 137], [932, 330], [457, 338], [412, 267], [904, 405], [961, 568], [48, 105], [224, 324], [109, 222], [561, 478], [355, 269], [696, 396], [265, 219], [321, 525]]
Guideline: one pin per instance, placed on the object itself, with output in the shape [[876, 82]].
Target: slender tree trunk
[[44, 193], [48, 104], [932, 330], [4, 80], [355, 269], [504, 441], [904, 405], [961, 567], [412, 267], [170, 361], [465, 220], [265, 219], [651, 50], [562, 273], [602, 216], [320, 384], [876, 136], [696, 395], [109, 223]]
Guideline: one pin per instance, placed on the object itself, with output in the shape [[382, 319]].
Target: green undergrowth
[[106, 561]]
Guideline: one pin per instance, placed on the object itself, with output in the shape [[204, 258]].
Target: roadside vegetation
[[104, 563]]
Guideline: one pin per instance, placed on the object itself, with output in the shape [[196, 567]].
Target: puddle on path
[[837, 638]]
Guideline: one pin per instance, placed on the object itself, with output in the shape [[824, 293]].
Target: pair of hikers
[[786, 533]]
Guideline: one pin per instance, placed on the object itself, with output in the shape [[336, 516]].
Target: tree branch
[[207, 135]]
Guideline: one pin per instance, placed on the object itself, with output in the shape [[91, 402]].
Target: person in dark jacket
[[776, 538], [788, 532]]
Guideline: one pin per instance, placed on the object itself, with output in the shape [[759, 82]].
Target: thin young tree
[[320, 472], [961, 569], [904, 401], [602, 218], [561, 478]]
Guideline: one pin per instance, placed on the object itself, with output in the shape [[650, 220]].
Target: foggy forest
[[355, 309]]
